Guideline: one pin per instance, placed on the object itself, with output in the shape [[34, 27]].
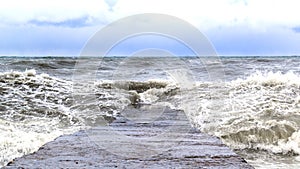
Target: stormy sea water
[[254, 108]]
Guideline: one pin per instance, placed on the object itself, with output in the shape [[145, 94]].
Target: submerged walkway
[[168, 142]]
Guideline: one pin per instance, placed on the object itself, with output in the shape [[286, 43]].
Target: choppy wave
[[37, 108], [33, 110], [260, 112]]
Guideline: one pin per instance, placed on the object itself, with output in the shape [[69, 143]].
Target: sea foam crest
[[261, 111], [270, 79], [34, 109]]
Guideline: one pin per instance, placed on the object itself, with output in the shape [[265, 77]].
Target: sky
[[234, 27]]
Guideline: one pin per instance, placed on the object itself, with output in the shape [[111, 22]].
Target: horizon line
[[77, 56]]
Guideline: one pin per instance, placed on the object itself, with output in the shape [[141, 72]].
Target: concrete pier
[[167, 142]]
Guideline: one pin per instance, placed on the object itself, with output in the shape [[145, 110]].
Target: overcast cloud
[[235, 27]]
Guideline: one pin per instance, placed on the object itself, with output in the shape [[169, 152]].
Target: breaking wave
[[37, 108], [34, 109], [260, 112]]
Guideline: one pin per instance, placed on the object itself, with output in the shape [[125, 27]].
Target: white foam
[[30, 72], [258, 112], [18, 138], [270, 78], [34, 111]]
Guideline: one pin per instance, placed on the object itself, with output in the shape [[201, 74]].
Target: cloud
[[204, 14], [235, 26], [16, 12], [73, 23]]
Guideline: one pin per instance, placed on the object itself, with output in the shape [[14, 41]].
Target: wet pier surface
[[167, 142]]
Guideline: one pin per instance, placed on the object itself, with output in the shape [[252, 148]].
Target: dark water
[[252, 103]]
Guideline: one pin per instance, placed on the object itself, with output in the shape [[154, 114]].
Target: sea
[[251, 103]]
